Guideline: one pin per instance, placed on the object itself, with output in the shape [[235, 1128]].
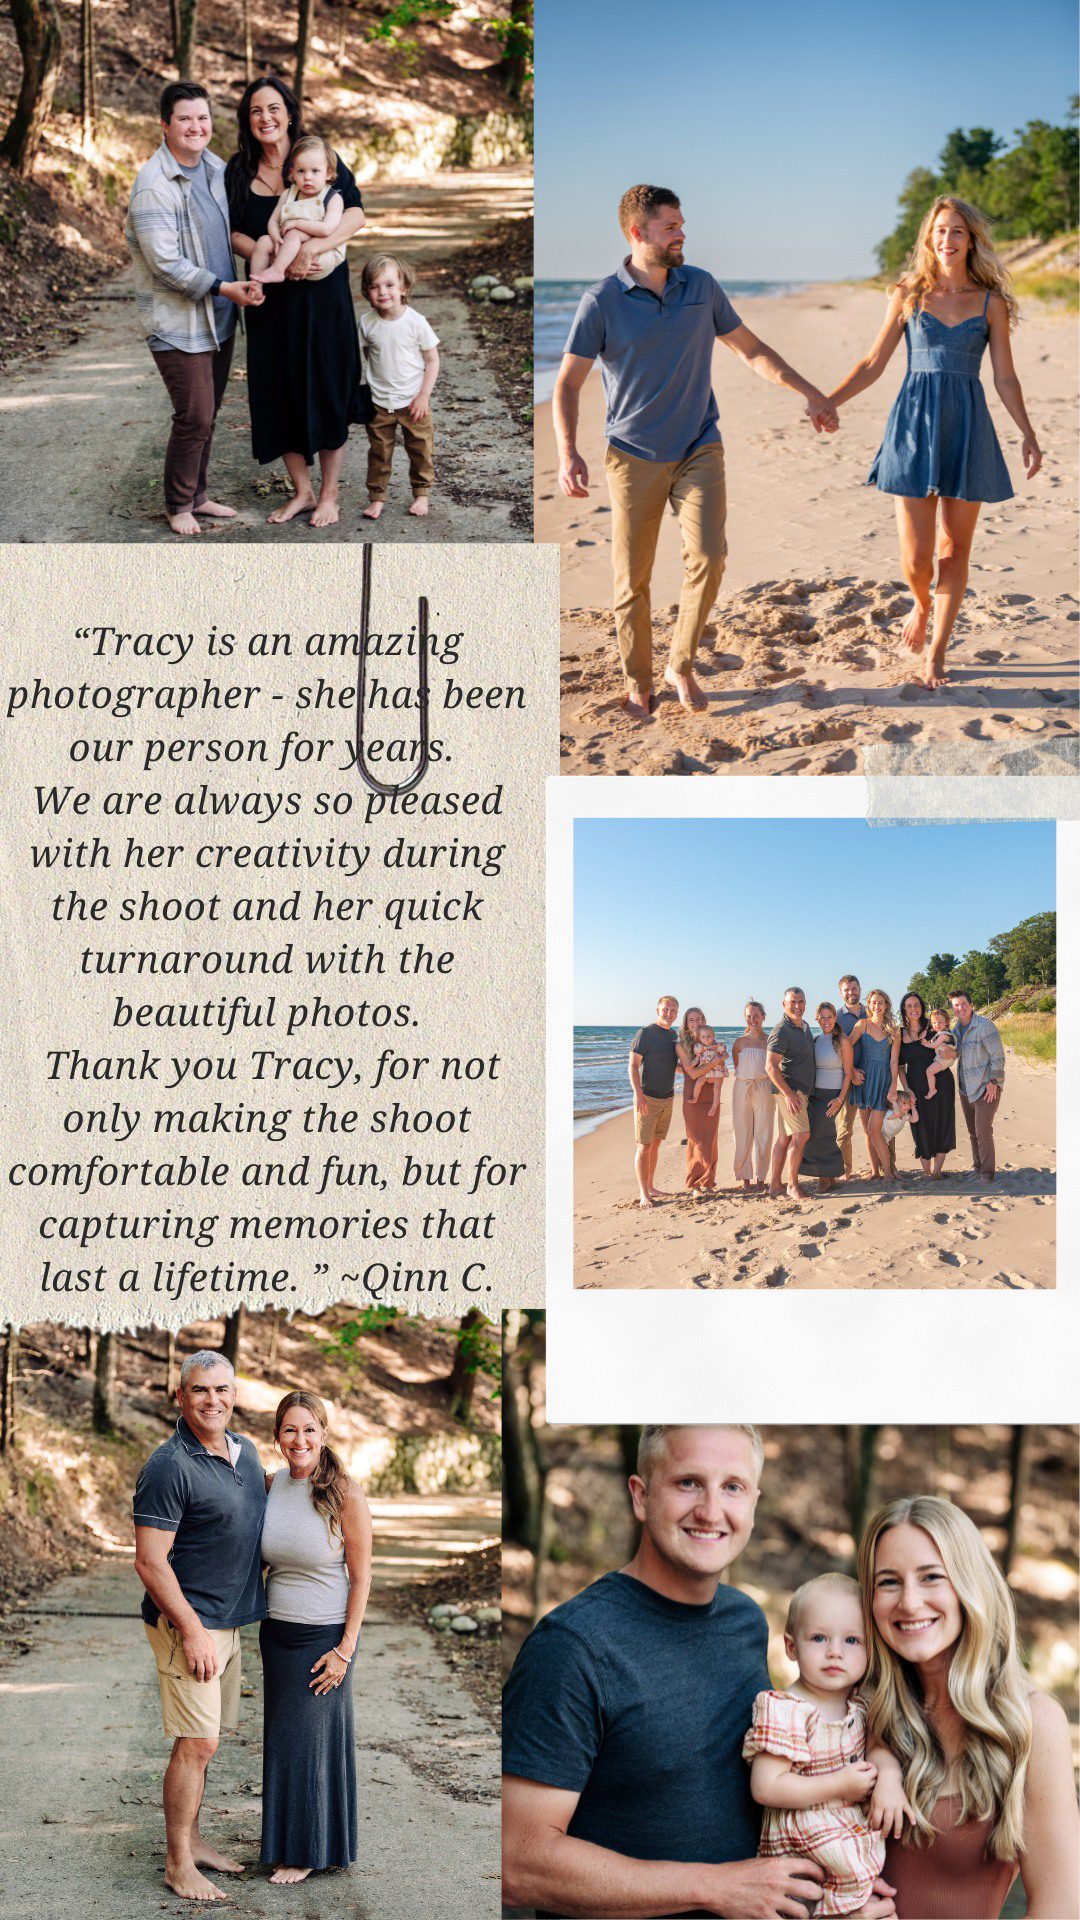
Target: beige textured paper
[[504, 603]]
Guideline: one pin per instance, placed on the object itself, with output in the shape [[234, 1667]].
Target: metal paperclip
[[381, 786]]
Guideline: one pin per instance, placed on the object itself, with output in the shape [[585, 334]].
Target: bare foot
[[746, 1186], [267, 276], [639, 699], [215, 510], [931, 1093], [645, 1200], [913, 631], [288, 1876], [691, 696], [204, 1855], [776, 1193], [795, 1192], [184, 522], [374, 509], [934, 674], [190, 1884], [327, 513], [419, 506], [300, 503], [660, 1193]]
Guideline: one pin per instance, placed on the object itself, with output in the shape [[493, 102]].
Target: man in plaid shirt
[[179, 239]]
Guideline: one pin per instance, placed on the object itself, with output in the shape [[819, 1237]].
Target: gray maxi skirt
[[309, 1752], [822, 1155]]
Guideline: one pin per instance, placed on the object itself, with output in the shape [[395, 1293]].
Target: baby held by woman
[[807, 1748]]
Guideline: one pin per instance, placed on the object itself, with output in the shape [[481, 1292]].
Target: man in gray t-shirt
[[652, 325], [654, 1060], [790, 1065]]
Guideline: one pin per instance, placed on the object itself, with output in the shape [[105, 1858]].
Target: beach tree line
[[1028, 190], [1026, 956]]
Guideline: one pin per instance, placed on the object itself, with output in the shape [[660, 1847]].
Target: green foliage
[[1029, 951], [1025, 956], [393, 27], [1032, 1035], [1048, 1003], [1031, 189], [478, 1349], [344, 1344]]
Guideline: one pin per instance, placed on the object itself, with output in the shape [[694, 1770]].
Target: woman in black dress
[[934, 1132], [303, 355]]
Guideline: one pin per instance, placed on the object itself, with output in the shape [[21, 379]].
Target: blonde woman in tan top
[[985, 1758]]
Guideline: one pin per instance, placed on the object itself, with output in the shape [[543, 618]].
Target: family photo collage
[[539, 1333]]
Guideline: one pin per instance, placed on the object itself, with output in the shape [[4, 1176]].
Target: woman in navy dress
[[940, 449], [303, 353], [880, 1058]]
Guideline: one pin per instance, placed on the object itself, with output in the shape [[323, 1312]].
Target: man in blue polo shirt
[[199, 1505], [652, 325], [624, 1786]]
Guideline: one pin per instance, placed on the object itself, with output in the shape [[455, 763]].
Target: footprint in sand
[[935, 1257]]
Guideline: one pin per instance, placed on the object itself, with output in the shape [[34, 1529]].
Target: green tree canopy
[[1031, 189], [1029, 951]]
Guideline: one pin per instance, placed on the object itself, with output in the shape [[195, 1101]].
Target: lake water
[[555, 304], [601, 1086]]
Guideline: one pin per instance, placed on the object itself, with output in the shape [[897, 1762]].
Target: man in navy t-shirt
[[624, 1787], [199, 1507], [652, 325]]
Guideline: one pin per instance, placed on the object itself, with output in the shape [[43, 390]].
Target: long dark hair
[[244, 165], [923, 1021]]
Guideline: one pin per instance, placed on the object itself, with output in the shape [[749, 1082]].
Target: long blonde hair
[[888, 1018], [686, 1039], [329, 1482], [987, 1684], [984, 268]]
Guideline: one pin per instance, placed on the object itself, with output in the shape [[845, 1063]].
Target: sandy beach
[[802, 662], [953, 1232]]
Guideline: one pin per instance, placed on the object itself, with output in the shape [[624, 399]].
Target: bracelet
[[341, 1656]]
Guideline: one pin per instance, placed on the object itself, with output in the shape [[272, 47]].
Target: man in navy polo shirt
[[199, 1505], [652, 325], [624, 1787]]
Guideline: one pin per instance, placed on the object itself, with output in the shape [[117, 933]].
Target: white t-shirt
[[394, 355]]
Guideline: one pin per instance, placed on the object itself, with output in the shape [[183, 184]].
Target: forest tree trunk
[[9, 1362], [514, 65], [186, 36], [303, 33], [37, 30], [87, 76], [249, 55], [230, 1345], [1019, 1463], [461, 1381], [104, 1413]]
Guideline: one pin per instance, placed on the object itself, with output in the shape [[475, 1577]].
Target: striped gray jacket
[[168, 252]]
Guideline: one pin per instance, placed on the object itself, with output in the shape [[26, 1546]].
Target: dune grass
[[1032, 1035], [1063, 289]]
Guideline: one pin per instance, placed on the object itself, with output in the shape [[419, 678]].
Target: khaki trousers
[[845, 1130], [753, 1110], [980, 1125], [641, 491], [419, 438]]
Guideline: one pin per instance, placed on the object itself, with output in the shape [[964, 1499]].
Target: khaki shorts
[[196, 1709], [650, 1128], [793, 1123]]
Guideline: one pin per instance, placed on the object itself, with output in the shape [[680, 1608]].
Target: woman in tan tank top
[[985, 1759]]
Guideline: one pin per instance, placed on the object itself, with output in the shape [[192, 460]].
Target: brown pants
[[641, 491], [980, 1117], [419, 439], [196, 385]]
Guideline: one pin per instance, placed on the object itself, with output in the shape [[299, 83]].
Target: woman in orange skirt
[[701, 1126]]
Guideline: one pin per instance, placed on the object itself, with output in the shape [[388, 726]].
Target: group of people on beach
[[939, 457], [807, 1087], [221, 1544], [285, 206], [652, 1765]]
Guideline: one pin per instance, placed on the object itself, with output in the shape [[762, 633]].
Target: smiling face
[[795, 1004], [916, 1608], [667, 1011], [950, 239], [877, 1007], [911, 1011], [268, 117], [697, 1506], [753, 1016], [206, 1400], [386, 293], [829, 1644], [188, 131], [850, 991], [300, 1437], [826, 1017], [659, 241]]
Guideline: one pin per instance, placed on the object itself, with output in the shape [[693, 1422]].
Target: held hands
[[200, 1654], [334, 1667], [1031, 455], [822, 412], [854, 1783], [889, 1807], [573, 476], [857, 1077], [243, 293]]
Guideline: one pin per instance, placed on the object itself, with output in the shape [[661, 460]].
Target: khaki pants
[[753, 1111], [419, 438], [641, 491], [980, 1125]]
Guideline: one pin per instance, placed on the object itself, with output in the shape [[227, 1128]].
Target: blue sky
[[787, 129], [717, 912]]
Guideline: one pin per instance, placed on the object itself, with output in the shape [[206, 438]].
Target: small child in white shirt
[[401, 356]]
